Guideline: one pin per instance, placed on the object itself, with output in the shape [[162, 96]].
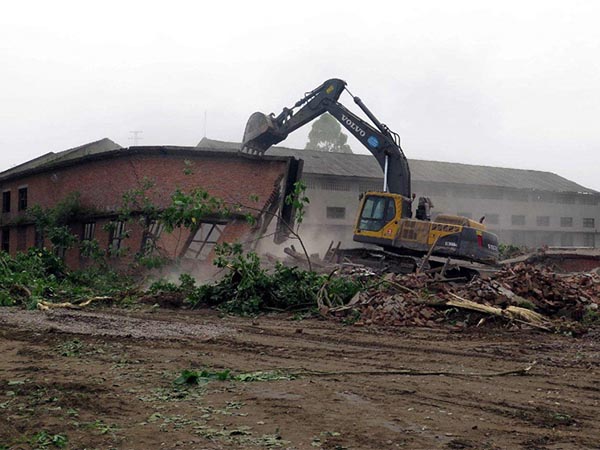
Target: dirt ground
[[104, 379]]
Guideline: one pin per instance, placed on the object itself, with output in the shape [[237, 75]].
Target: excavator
[[385, 217]]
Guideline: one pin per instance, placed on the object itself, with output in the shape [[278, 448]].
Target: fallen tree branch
[[43, 305], [413, 372]]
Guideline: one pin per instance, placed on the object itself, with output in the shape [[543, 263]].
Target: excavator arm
[[263, 131]]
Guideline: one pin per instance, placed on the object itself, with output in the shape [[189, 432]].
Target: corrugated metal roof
[[343, 164]]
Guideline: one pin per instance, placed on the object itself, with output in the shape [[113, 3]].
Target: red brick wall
[[101, 184]]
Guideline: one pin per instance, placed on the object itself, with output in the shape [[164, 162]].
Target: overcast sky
[[514, 84]]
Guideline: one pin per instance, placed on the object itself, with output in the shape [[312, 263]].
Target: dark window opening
[[87, 236], [204, 240], [150, 238], [22, 199], [377, 211], [589, 222], [336, 212], [117, 234], [5, 239], [6, 201]]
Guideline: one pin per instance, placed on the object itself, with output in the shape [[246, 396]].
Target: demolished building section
[[100, 174]]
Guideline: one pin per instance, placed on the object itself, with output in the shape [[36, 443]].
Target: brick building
[[523, 207], [101, 172]]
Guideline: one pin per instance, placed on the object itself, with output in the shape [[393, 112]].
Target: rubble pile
[[520, 294]]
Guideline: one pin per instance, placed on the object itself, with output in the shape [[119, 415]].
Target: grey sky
[[513, 84]]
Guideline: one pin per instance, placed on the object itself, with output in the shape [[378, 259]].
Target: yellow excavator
[[385, 217]]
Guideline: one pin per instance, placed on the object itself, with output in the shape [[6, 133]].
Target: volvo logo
[[348, 121]]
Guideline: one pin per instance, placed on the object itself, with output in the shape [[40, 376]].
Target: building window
[[492, 219], [150, 237], [517, 220], [6, 201], [117, 234], [204, 240], [589, 222], [565, 199], [588, 199], [88, 231], [588, 240], [566, 221], [336, 212], [366, 186], [5, 239], [22, 199], [542, 221]]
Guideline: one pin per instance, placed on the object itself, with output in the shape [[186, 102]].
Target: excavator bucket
[[260, 134]]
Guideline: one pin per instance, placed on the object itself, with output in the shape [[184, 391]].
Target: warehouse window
[[335, 186], [589, 222], [22, 206], [565, 199], [542, 221], [336, 212], [588, 240], [117, 234], [6, 201], [517, 220], [5, 239], [588, 199], [518, 196], [204, 240], [566, 221]]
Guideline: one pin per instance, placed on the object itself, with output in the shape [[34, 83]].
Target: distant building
[[523, 207]]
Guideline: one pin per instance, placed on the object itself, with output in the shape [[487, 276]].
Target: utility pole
[[136, 136]]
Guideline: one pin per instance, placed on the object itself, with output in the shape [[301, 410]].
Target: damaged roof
[[355, 165], [340, 164], [97, 147]]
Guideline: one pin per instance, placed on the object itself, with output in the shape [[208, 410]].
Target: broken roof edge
[[61, 162]]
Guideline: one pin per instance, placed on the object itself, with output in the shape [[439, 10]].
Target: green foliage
[[139, 201], [189, 209], [298, 200], [507, 251], [43, 440], [194, 377], [248, 289], [326, 135], [40, 275]]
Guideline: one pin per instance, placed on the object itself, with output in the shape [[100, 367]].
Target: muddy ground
[[103, 378]]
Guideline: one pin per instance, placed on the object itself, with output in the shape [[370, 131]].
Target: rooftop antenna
[[136, 136]]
